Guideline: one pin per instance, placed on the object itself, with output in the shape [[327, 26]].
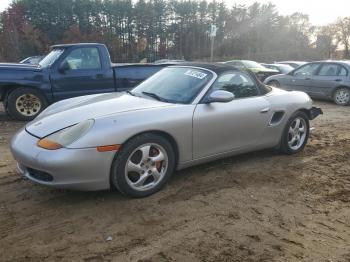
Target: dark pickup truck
[[67, 71]]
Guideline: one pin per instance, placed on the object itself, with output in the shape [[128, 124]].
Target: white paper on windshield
[[195, 74]]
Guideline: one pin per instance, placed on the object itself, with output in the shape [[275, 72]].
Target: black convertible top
[[77, 44], [218, 68]]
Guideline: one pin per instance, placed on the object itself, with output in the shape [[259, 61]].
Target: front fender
[[119, 128]]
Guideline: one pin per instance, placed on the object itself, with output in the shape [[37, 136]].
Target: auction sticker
[[195, 74]]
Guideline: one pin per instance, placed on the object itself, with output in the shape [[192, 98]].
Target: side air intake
[[276, 118]]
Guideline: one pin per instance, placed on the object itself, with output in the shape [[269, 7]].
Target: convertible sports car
[[182, 116]]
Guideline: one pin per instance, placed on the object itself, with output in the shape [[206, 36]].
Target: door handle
[[337, 80], [265, 110], [308, 78], [99, 76]]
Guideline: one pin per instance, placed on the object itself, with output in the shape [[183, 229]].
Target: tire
[[274, 83], [25, 103], [292, 133], [342, 96], [135, 170]]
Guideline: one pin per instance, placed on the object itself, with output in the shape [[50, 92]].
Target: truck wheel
[[25, 103]]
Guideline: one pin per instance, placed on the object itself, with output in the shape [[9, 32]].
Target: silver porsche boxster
[[182, 116]]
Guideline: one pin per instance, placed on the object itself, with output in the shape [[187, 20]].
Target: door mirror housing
[[64, 67], [220, 96]]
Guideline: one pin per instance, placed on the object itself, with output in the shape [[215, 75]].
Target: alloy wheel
[[146, 166], [297, 133], [342, 96]]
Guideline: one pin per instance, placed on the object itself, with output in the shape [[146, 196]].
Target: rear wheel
[[25, 103], [342, 96], [296, 133], [143, 165]]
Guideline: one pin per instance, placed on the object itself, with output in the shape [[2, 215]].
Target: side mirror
[[64, 67], [220, 96]]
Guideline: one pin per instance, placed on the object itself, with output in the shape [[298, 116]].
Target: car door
[[301, 78], [225, 127], [328, 77], [81, 72]]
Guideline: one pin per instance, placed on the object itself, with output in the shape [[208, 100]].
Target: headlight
[[65, 136]]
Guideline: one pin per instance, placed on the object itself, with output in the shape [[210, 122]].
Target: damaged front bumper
[[315, 112]]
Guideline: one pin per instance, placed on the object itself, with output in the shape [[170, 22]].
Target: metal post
[[212, 35], [212, 48]]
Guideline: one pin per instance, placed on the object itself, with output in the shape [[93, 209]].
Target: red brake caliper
[[155, 152]]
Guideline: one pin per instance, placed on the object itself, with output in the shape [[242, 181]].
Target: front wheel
[[143, 165], [296, 133], [274, 83], [342, 96], [25, 103]]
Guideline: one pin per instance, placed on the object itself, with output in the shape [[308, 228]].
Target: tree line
[[176, 29]]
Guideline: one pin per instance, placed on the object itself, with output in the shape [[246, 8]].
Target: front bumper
[[81, 169], [315, 112]]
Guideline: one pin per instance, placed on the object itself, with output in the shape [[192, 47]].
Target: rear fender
[[4, 92], [314, 112]]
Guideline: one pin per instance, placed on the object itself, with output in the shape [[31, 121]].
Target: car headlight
[[65, 136]]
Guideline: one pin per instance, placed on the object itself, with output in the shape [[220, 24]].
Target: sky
[[320, 11]]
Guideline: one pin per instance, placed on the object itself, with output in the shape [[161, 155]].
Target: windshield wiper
[[130, 93], [155, 96]]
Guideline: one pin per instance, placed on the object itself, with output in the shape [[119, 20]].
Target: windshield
[[174, 84], [50, 58], [252, 64]]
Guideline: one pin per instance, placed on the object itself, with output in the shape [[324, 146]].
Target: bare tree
[[343, 34]]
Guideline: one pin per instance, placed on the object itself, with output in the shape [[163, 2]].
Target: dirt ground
[[256, 207]]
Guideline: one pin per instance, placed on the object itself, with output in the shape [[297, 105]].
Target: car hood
[[72, 111], [15, 66], [276, 77]]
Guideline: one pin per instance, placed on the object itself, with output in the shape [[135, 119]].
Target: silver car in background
[[281, 68], [181, 116], [294, 64], [325, 80]]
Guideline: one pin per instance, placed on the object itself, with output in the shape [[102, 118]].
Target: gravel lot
[[256, 207]]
